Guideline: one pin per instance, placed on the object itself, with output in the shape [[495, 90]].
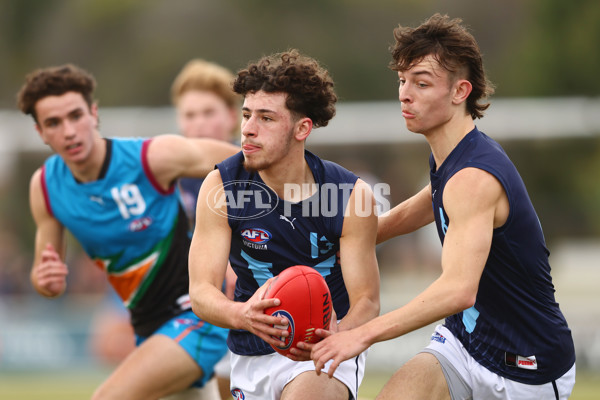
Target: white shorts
[[264, 377], [467, 379], [223, 367]]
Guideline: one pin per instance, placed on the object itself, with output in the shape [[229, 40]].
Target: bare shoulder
[[36, 191], [360, 216], [212, 192], [362, 186], [472, 188], [212, 181], [37, 197], [35, 183]]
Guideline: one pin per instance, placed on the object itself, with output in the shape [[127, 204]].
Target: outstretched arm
[[49, 272], [209, 253], [407, 216], [173, 156], [473, 200]]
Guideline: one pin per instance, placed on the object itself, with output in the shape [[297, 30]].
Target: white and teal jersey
[[131, 228]]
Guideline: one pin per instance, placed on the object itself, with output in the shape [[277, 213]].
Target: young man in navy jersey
[[265, 210], [504, 336]]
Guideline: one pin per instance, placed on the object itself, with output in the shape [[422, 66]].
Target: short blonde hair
[[207, 76]]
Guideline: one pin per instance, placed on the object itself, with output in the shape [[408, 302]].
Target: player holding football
[[285, 96], [504, 336], [117, 197]]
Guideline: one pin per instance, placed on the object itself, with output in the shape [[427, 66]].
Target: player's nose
[[403, 93], [249, 127]]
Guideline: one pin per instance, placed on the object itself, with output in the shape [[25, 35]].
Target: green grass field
[[587, 386], [80, 385]]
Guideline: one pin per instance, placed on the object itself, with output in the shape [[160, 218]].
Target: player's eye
[[51, 123]]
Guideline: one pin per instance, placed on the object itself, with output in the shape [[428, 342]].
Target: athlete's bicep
[[172, 156], [470, 200], [48, 229], [205, 153], [209, 251]]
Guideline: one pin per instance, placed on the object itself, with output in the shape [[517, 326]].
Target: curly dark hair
[[308, 86], [452, 46], [54, 81]]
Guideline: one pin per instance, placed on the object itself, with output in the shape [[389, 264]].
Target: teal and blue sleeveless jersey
[[269, 234], [132, 229], [516, 328]]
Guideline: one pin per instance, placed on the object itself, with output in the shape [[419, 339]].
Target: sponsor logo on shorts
[[291, 329], [184, 302], [438, 337], [515, 360], [238, 394]]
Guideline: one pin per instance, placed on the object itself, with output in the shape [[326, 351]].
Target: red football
[[305, 302]]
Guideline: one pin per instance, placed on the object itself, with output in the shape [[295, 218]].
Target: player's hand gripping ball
[[305, 303]]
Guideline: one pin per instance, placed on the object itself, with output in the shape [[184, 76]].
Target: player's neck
[[89, 170], [291, 172], [446, 137]]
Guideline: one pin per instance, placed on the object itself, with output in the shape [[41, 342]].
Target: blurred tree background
[[135, 47], [534, 48]]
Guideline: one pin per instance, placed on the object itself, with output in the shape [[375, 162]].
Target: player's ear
[[303, 128], [462, 90], [94, 112], [38, 128]]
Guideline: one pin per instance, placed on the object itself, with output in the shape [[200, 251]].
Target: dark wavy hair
[[308, 86], [54, 81], [452, 46]]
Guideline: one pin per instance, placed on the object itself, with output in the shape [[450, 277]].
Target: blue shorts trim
[[204, 342]]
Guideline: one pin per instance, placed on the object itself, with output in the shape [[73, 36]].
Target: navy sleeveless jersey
[[132, 229], [516, 328], [189, 188], [269, 234]]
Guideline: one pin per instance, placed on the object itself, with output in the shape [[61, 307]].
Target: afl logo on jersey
[[140, 224], [242, 200], [256, 235]]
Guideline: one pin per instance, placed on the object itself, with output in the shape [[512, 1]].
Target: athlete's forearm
[[440, 300], [406, 217], [211, 304], [363, 311]]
